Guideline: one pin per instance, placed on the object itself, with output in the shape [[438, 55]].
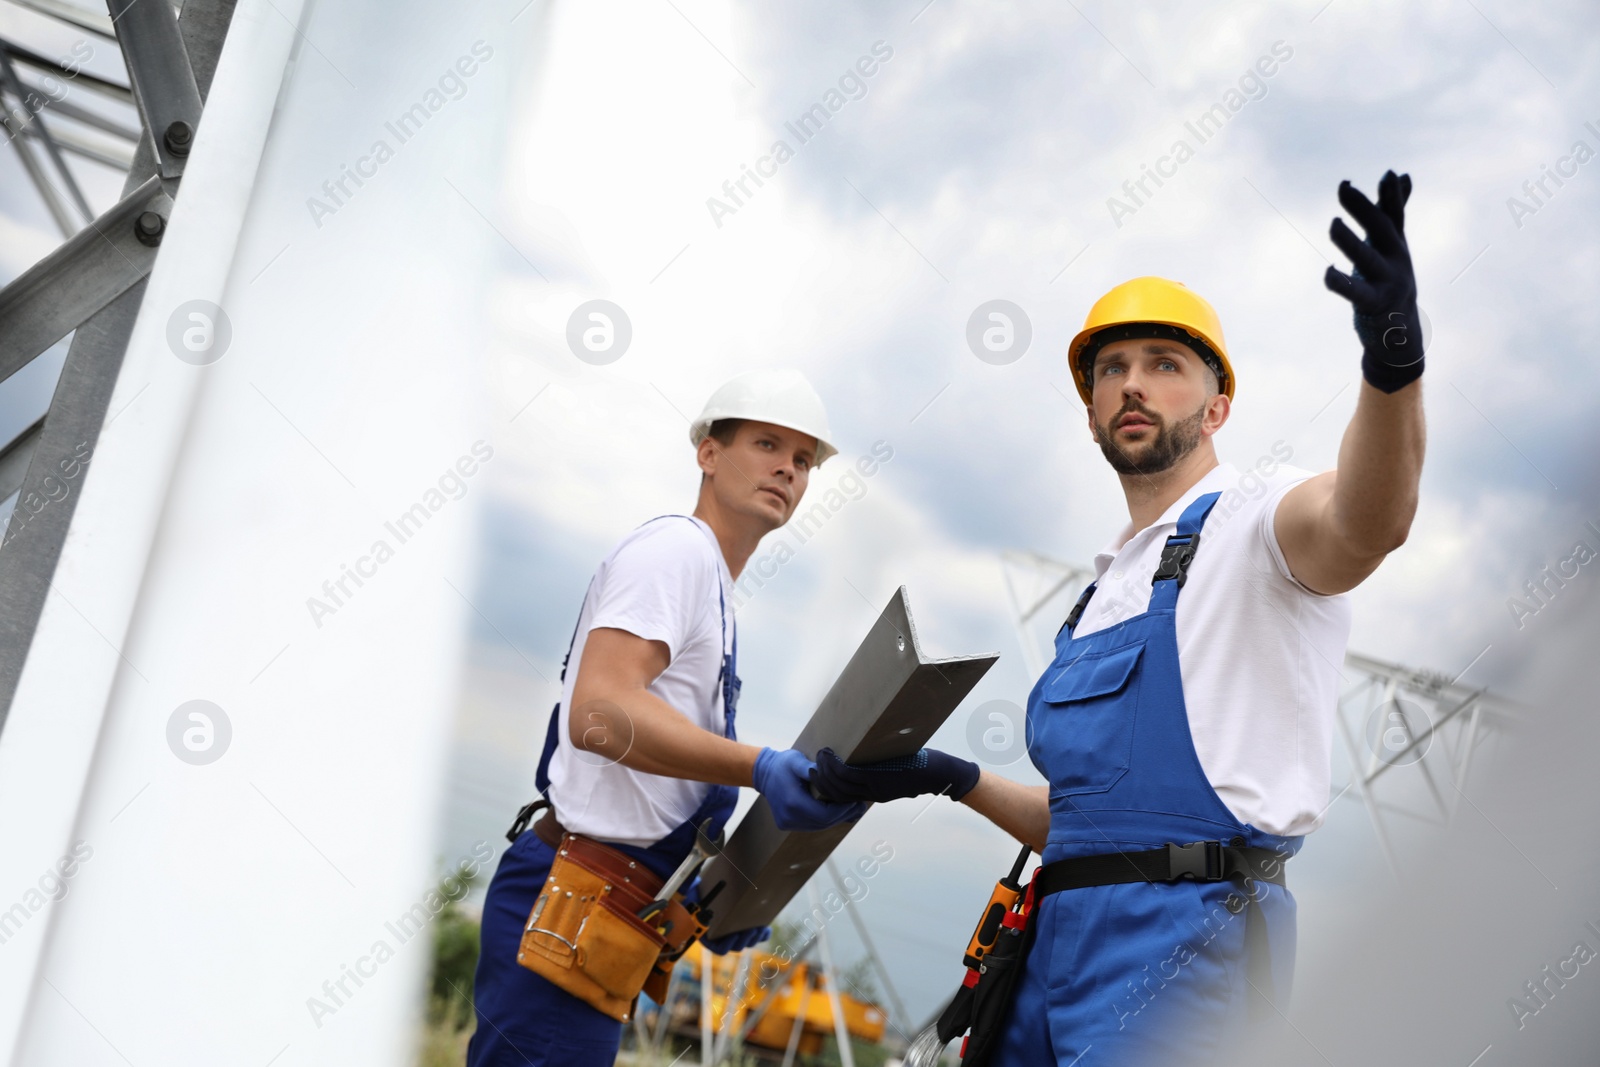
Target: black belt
[[1201, 861]]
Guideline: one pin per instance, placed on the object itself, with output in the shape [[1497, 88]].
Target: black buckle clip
[[524, 817], [1175, 558], [1199, 860]]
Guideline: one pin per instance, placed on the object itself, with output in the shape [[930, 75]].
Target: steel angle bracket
[[887, 702], [64, 289]]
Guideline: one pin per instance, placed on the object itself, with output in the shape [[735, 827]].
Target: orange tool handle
[[1006, 893]]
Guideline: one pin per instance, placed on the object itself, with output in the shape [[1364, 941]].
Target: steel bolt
[[179, 138], [149, 227]]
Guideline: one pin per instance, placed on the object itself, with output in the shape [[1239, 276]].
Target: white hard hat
[[782, 397]]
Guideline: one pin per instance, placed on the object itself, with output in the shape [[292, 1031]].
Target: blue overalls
[[1142, 972], [522, 1019]]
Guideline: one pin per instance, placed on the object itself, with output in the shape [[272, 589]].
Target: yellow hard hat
[[1150, 307]]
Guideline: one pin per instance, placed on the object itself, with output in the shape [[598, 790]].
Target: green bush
[[455, 958]]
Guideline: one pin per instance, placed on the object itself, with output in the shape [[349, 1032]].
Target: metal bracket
[[64, 289], [887, 702]]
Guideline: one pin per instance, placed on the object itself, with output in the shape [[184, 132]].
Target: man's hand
[[926, 771], [784, 778], [1336, 528], [1382, 287]]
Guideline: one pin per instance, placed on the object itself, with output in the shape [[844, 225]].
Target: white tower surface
[[277, 520]]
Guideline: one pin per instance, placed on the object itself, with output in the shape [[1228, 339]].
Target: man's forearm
[[1380, 466], [1023, 811], [644, 733]]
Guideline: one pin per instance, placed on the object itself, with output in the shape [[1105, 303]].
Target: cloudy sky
[[979, 161], [976, 165]]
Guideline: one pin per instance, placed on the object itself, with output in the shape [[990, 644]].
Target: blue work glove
[[1382, 287], [925, 771], [784, 778], [737, 941]]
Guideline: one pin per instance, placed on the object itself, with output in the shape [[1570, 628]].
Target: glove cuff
[[1387, 347], [964, 779], [1383, 375], [764, 760]]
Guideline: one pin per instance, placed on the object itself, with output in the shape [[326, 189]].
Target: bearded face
[[1159, 391], [1138, 441]]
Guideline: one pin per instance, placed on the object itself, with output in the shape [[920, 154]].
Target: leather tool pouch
[[584, 935]]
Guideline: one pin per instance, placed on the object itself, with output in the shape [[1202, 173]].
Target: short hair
[[724, 430]]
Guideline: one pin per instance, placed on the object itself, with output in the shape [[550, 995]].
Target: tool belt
[[584, 934], [981, 1006]]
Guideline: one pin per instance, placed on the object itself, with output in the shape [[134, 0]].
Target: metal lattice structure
[[92, 285], [1391, 716], [1034, 583]]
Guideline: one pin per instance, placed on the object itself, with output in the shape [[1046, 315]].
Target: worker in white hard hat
[[641, 753], [1185, 724]]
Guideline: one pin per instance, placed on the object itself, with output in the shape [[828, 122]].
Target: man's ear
[[1217, 411], [706, 455]]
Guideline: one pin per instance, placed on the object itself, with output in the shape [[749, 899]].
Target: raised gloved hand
[[784, 778], [926, 771], [737, 941], [1382, 287]]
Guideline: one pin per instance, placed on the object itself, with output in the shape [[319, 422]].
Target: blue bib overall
[[1146, 972], [522, 1019]]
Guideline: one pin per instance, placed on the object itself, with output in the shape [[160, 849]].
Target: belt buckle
[[1198, 860]]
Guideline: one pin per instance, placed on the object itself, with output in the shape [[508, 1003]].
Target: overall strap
[[1178, 553], [1077, 610], [728, 675], [552, 733]]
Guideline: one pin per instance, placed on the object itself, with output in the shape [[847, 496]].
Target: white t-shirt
[[660, 583], [1260, 654]]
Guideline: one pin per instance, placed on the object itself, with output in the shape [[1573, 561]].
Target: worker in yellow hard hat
[[1185, 725], [1157, 317]]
